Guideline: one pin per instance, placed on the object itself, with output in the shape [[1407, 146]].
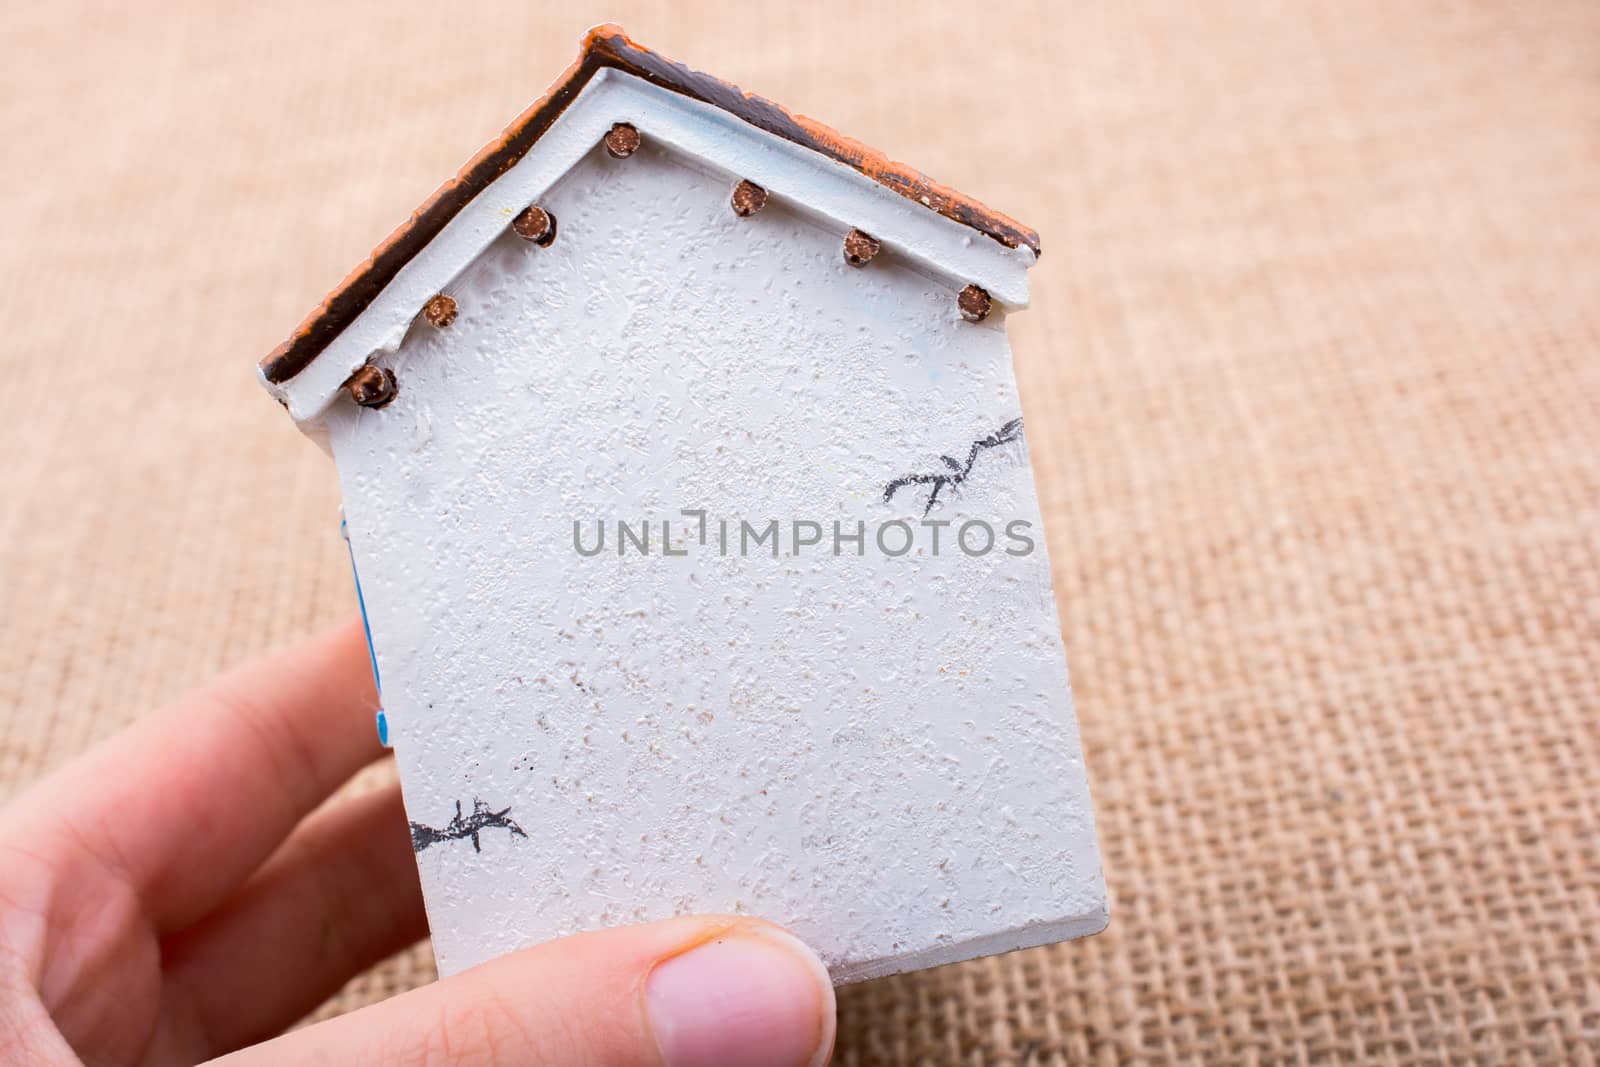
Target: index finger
[[185, 803]]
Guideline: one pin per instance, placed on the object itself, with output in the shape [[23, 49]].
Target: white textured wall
[[879, 753]]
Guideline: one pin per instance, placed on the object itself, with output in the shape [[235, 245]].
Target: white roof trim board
[[800, 177]]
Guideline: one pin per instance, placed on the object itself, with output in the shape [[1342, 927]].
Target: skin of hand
[[181, 892]]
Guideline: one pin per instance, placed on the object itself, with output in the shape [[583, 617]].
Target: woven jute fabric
[[1312, 387]]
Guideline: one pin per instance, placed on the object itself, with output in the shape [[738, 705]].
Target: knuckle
[[482, 1031]]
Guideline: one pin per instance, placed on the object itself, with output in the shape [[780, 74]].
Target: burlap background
[[1312, 387]]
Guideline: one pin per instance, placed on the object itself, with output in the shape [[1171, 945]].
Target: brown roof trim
[[608, 46]]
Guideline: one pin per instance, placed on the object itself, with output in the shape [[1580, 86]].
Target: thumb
[[712, 991]]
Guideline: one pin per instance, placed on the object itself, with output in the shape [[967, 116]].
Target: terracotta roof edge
[[607, 46]]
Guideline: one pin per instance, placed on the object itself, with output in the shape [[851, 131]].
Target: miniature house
[[686, 481]]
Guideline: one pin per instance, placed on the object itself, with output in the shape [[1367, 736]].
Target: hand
[[171, 896]]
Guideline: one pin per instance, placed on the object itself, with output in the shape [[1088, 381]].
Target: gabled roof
[[608, 48]]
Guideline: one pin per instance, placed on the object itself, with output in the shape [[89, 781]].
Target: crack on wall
[[957, 473], [461, 827]]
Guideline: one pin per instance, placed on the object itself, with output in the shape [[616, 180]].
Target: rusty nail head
[[371, 387], [859, 247], [622, 140], [974, 303], [440, 311], [535, 224], [748, 198]]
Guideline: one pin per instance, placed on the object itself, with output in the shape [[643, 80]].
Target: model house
[[686, 480]]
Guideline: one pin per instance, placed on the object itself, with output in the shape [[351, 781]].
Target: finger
[[700, 992], [340, 895], [187, 802]]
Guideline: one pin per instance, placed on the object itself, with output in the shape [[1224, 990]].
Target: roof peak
[[603, 47]]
